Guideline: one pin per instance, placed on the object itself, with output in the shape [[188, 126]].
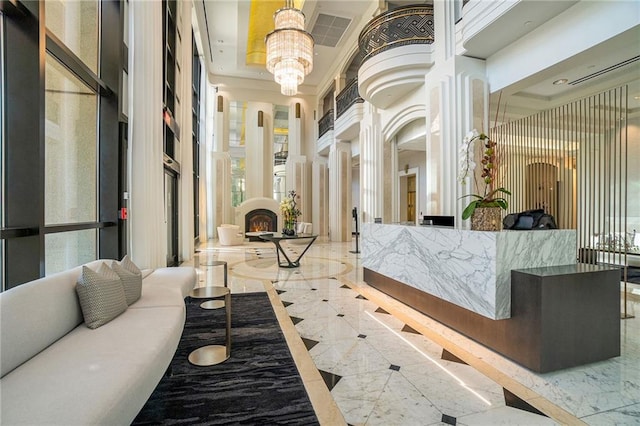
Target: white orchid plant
[[485, 196], [289, 209]]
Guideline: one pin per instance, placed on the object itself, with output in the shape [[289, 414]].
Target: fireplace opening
[[261, 220]]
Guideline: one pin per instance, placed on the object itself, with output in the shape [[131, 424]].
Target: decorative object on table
[[529, 219], [290, 213], [484, 210]]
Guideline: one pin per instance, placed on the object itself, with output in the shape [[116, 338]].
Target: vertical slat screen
[[572, 162]]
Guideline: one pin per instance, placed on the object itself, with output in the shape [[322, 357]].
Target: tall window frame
[[27, 42]]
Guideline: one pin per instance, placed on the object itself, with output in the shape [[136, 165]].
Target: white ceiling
[[226, 22], [227, 29]]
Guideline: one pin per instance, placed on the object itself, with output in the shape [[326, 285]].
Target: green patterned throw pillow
[[101, 295], [131, 282]]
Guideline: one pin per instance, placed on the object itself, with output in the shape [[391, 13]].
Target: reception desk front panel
[[471, 269]]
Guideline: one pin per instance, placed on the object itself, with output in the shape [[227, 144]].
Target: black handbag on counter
[[528, 220]]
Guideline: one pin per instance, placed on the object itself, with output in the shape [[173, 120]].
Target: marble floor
[[367, 359]]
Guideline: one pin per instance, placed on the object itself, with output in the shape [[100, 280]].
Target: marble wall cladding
[[471, 269]]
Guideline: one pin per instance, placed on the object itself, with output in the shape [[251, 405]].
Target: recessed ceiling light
[[561, 81], [637, 97]]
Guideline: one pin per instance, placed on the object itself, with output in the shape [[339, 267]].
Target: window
[[75, 24], [237, 118], [59, 150], [70, 147]]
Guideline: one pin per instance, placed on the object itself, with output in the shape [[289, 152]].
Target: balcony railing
[[348, 97], [326, 123], [398, 27]]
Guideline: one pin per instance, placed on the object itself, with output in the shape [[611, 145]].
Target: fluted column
[[219, 176], [298, 179], [371, 165], [320, 199], [259, 150], [340, 191], [460, 81]]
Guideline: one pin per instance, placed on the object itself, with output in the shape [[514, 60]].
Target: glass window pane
[[76, 24], [70, 147], [64, 250], [237, 181]]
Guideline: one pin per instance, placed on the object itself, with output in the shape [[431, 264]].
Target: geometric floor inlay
[[448, 356], [309, 343], [408, 329], [296, 320], [514, 401], [450, 420], [330, 379]]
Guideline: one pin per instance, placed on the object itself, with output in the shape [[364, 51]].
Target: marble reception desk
[[470, 269]]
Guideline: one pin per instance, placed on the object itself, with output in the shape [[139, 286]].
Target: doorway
[[408, 194], [171, 216]]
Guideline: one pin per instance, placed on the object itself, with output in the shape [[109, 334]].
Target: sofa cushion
[[101, 295], [131, 282], [101, 376], [182, 278]]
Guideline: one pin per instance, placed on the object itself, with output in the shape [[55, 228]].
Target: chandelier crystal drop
[[289, 49]]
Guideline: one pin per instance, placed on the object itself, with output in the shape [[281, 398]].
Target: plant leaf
[[468, 211]]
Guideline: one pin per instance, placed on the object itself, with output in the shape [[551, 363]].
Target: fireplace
[[260, 220]]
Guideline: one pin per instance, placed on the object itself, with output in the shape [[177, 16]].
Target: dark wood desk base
[[558, 320]]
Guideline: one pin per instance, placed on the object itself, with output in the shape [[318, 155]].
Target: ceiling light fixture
[[289, 49], [561, 81]]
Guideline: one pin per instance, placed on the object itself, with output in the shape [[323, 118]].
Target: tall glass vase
[[289, 228]]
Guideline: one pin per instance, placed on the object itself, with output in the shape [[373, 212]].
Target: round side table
[[216, 304], [213, 354]]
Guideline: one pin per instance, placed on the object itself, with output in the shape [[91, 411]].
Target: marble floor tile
[[353, 344], [402, 404], [627, 415], [348, 357], [504, 416], [357, 395]]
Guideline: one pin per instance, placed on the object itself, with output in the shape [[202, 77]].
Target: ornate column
[[340, 191], [297, 168], [320, 199], [259, 150], [457, 102], [219, 179], [371, 165]]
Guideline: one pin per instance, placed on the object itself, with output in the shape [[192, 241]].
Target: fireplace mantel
[[255, 204]]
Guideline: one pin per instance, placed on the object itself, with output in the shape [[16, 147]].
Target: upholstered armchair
[[230, 235]]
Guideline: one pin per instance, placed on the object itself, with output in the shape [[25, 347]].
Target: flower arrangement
[[486, 195], [290, 212]]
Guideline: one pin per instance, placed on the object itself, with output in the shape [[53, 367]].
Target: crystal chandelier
[[289, 49]]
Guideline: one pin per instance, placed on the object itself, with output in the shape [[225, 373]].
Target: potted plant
[[290, 213], [485, 208]]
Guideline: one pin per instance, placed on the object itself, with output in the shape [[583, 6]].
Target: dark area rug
[[258, 385]]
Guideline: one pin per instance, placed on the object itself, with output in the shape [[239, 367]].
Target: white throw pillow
[[101, 295], [128, 264], [131, 282]]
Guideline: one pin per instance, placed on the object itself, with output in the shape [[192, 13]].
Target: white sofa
[[230, 235], [55, 370]]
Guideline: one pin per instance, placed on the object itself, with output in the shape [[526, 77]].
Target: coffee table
[[276, 239]]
